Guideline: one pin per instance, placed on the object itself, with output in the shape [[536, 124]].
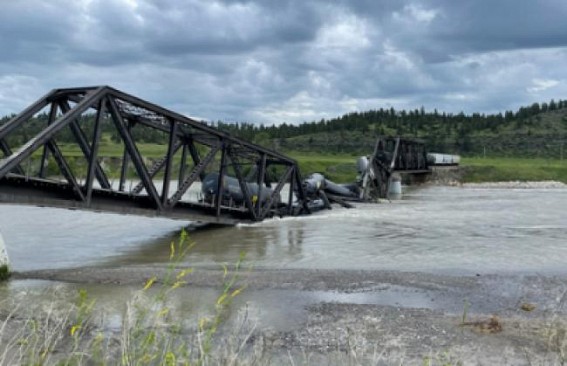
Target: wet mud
[[384, 316]]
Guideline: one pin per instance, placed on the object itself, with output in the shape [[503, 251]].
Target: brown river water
[[433, 229]]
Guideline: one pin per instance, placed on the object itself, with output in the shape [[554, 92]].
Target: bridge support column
[[4, 262], [395, 186]]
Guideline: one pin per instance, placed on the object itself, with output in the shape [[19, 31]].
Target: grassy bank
[[341, 168], [478, 170], [338, 168]]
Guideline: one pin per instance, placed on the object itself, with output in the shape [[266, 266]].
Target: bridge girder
[[394, 155], [202, 149]]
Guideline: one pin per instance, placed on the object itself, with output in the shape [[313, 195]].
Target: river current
[[433, 229]]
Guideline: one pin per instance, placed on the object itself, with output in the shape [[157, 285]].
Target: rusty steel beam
[[25, 115], [7, 152], [45, 135], [168, 162], [195, 173], [196, 124], [158, 165], [243, 186], [82, 141], [93, 162], [134, 154], [183, 132], [269, 203]]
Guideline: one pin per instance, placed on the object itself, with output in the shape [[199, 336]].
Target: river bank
[[377, 317], [491, 169]]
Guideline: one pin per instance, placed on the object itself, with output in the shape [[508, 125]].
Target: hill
[[539, 130], [534, 131]]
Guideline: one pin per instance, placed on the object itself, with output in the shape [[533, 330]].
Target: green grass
[[4, 272], [113, 150], [479, 170], [339, 168]]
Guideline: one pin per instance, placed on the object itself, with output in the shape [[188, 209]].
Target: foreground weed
[[150, 334], [442, 359], [4, 272]]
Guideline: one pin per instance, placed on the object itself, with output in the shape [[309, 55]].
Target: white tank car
[[443, 159]]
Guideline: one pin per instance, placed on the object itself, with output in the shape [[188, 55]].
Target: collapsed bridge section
[[392, 155], [60, 165]]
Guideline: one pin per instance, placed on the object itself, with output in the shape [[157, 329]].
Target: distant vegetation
[[539, 130], [513, 169], [528, 144]]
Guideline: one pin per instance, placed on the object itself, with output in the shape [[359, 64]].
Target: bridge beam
[[220, 182], [261, 181], [195, 173], [156, 168], [25, 115], [7, 152], [134, 154], [41, 138], [169, 161], [243, 185], [125, 113], [269, 203], [82, 141], [93, 162]]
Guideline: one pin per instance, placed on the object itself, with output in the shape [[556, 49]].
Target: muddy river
[[434, 229]]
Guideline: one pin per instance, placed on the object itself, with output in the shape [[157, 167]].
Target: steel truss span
[[392, 155], [39, 172]]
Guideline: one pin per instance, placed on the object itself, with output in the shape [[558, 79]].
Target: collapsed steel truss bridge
[[393, 155], [159, 187]]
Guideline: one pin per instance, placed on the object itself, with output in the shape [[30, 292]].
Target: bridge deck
[[16, 189]]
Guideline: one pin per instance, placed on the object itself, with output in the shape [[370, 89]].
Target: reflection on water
[[436, 229], [280, 309]]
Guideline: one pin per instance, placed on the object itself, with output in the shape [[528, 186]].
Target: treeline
[[536, 129], [401, 122]]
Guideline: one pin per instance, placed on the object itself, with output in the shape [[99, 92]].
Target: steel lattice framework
[[395, 155], [193, 150]]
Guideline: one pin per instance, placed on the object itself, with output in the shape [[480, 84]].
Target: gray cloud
[[291, 60]]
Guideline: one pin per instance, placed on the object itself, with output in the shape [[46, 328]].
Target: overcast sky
[[276, 61]]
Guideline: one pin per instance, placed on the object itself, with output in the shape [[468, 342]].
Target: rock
[[527, 307]]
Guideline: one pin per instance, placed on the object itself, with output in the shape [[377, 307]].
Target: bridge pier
[[395, 186], [4, 261]]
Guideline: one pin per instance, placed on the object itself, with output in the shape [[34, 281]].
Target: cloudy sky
[[273, 61]]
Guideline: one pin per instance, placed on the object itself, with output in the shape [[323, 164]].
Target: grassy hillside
[[541, 136]]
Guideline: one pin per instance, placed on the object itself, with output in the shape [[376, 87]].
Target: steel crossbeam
[[394, 155], [106, 107]]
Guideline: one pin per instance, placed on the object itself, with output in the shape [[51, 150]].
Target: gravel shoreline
[[333, 329]]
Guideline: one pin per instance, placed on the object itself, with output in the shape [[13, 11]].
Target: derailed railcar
[[443, 159]]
